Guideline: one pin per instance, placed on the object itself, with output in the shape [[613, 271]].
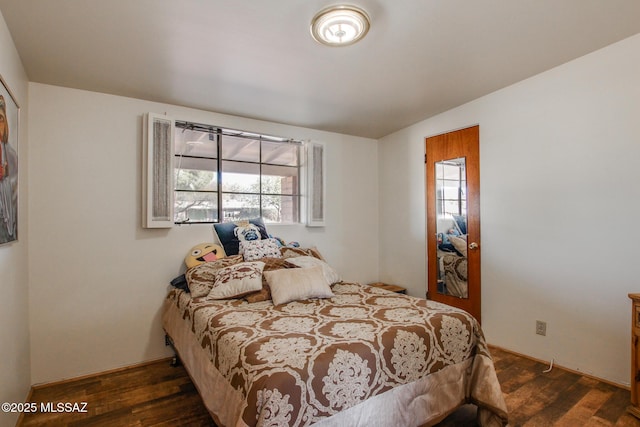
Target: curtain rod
[[233, 132]]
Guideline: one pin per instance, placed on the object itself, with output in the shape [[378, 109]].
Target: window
[[451, 187], [226, 175]]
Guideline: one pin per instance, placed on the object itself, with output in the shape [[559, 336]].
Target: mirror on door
[[451, 226]]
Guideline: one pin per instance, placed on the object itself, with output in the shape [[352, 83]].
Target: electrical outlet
[[541, 328]]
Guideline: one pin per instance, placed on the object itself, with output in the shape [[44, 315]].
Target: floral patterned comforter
[[300, 362]]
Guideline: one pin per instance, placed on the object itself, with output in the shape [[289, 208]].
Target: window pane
[[279, 179], [195, 143], [280, 153], [451, 189], [197, 207], [452, 208], [240, 177], [240, 149], [451, 172], [240, 206], [196, 174], [280, 209]]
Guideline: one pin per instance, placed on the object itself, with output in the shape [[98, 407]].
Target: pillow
[[180, 282], [200, 278], [237, 280], [330, 275], [248, 232], [288, 252], [461, 223], [459, 244], [297, 284], [270, 264], [227, 236], [204, 252], [256, 249]]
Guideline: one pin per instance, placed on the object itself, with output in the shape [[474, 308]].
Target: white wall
[[559, 202], [15, 372], [97, 278]]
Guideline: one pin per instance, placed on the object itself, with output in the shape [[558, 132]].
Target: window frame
[[218, 133], [459, 199]]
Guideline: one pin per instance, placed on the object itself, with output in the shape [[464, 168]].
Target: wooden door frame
[[470, 148]]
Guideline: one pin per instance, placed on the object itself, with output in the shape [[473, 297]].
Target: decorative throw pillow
[[256, 249], [200, 278], [237, 280], [227, 236], [296, 284], [247, 233], [297, 252], [270, 264], [330, 275], [204, 252]]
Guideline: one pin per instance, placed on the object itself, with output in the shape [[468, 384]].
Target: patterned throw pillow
[[228, 238], [296, 252], [237, 280], [256, 249], [200, 277]]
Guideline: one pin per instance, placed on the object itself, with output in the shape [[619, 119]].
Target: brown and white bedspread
[[358, 358]]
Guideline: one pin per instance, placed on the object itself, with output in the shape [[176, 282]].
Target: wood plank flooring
[[155, 394], [160, 395], [559, 398]]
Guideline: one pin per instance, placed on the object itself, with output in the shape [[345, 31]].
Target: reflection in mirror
[[451, 226]]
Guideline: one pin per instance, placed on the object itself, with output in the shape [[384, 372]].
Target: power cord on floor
[[546, 371]]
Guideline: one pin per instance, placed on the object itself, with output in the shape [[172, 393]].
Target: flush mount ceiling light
[[339, 25]]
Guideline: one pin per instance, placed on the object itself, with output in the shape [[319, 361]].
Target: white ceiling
[[256, 58]]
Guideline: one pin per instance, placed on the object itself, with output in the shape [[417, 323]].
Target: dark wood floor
[[160, 395], [156, 394], [558, 398]]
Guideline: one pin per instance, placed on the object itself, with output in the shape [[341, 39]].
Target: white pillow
[[256, 249], [293, 284], [237, 280], [330, 274]]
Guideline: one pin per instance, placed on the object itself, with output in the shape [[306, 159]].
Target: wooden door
[[453, 219]]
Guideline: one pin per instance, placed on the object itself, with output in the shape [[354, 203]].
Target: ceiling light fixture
[[339, 25]]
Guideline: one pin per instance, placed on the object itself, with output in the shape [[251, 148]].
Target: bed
[[452, 256], [452, 274], [360, 356]]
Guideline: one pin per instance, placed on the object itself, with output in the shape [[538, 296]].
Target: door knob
[[473, 245]]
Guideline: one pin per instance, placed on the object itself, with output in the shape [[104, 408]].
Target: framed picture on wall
[[9, 113]]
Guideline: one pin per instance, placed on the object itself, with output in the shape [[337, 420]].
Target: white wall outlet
[[541, 327]]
